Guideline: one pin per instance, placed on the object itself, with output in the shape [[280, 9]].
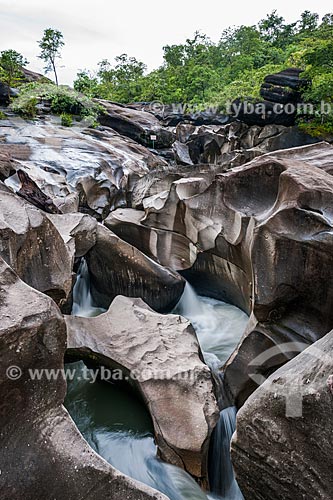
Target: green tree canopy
[[11, 63], [50, 46]]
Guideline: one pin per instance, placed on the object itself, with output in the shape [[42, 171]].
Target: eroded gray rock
[[140, 126], [77, 230], [162, 357], [282, 449], [43, 455], [118, 268], [94, 170], [252, 227], [32, 246]]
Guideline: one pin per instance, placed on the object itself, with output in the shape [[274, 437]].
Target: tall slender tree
[[50, 45]]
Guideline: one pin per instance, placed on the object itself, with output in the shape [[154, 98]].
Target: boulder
[[30, 191], [288, 78], [292, 302], [118, 268], [282, 95], [43, 455], [161, 356], [283, 449], [182, 153], [138, 125], [281, 92], [4, 99], [33, 247]]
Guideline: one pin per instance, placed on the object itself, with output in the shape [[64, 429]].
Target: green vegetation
[[196, 73], [3, 116], [50, 46], [11, 63], [203, 73], [62, 100], [66, 120]]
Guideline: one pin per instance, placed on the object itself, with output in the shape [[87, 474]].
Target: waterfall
[[219, 327], [222, 479], [190, 305], [82, 299]]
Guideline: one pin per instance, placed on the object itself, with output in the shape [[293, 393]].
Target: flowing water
[[82, 299], [222, 479], [116, 423], [218, 325], [117, 426]]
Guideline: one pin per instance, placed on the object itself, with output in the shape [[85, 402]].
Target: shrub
[[318, 127], [66, 120], [2, 116], [62, 100]]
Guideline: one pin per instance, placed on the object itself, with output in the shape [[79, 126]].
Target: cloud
[[98, 29]]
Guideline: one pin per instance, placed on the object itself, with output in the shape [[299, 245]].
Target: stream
[[116, 424]]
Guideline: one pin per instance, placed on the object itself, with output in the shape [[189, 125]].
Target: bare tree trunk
[[9, 81], [55, 73]]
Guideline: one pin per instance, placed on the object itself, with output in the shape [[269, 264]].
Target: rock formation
[[33, 247], [78, 232], [248, 231], [43, 454], [233, 144], [281, 93], [282, 449], [118, 268], [138, 125], [91, 170], [241, 225], [161, 356]]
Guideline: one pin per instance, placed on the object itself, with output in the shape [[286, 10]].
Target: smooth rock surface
[[94, 170], [162, 357], [118, 268], [138, 125], [283, 447], [77, 230], [264, 239], [43, 455], [33, 247]]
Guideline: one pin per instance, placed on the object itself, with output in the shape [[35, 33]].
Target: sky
[[102, 29]]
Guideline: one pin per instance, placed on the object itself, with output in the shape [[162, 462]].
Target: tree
[[121, 82], [87, 84], [11, 63], [308, 22], [50, 44], [274, 30], [271, 27]]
